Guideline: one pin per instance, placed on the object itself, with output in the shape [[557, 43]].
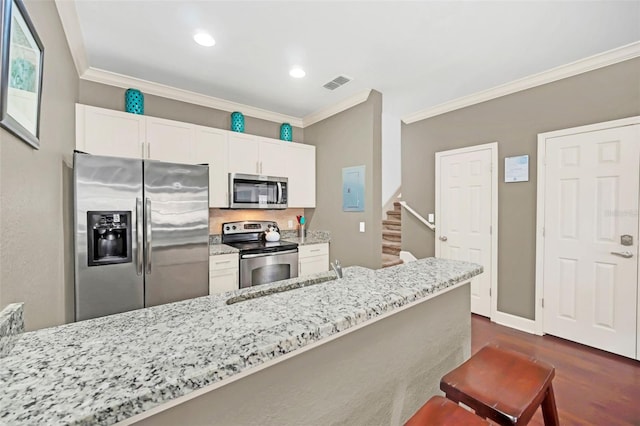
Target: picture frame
[[21, 65]]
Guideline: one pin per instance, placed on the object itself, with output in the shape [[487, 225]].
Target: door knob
[[443, 238], [625, 254]]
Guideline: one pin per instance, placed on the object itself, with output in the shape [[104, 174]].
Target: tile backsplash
[[218, 216]]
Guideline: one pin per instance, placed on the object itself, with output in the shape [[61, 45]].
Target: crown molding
[[343, 105], [157, 89], [71, 26], [590, 63]]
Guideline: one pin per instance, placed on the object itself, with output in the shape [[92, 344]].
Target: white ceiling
[[418, 54]]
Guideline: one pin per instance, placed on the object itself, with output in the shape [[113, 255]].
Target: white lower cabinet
[[313, 258], [223, 273]]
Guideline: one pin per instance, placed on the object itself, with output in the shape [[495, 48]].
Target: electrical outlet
[[290, 224], [361, 226], [430, 218]]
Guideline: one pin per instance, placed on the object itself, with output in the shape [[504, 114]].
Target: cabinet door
[[223, 280], [312, 265], [244, 153], [210, 147], [101, 131], [169, 140], [301, 171], [223, 273], [273, 157]]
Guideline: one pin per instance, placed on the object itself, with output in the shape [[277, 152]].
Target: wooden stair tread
[[392, 222], [391, 232], [390, 260]]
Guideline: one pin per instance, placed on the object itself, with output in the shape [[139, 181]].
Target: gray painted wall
[[111, 97], [350, 138], [514, 121], [35, 238]]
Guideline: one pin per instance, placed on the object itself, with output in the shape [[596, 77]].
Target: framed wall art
[[21, 54]]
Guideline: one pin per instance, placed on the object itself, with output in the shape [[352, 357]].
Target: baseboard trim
[[514, 321], [407, 256]]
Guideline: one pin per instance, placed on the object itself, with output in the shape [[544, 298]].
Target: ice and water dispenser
[[109, 237]]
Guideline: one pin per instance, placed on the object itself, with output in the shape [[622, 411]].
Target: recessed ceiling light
[[204, 39], [297, 73]]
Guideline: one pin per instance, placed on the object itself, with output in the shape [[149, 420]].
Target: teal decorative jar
[[237, 122], [286, 132], [134, 101]]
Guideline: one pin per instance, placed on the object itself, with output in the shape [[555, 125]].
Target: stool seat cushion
[[500, 384], [439, 411]]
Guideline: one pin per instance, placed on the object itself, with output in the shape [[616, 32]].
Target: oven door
[[262, 268]]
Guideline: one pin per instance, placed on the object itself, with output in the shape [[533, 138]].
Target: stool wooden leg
[[549, 410]]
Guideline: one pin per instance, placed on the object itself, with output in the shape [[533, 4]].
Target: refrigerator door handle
[[148, 234], [139, 234]]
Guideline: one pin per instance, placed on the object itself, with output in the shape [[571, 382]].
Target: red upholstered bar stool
[[439, 411], [504, 386]]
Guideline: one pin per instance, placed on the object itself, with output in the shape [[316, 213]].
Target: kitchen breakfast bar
[[368, 349]]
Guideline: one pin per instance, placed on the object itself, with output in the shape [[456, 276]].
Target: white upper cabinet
[[102, 131], [273, 157], [244, 153], [169, 140], [210, 147], [301, 171]]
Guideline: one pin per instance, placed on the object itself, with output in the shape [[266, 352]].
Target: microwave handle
[[279, 192]]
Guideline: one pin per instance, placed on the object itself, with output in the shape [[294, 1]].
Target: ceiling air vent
[[337, 82]]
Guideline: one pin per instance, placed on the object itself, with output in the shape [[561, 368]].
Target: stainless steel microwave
[[257, 192]]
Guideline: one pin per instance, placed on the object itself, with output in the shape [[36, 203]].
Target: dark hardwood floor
[[592, 387]]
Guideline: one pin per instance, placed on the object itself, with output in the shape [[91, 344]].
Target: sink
[[286, 285]]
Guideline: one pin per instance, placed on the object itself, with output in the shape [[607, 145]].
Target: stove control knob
[[226, 228], [234, 227]]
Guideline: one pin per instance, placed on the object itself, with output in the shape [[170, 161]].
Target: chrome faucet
[[337, 267]]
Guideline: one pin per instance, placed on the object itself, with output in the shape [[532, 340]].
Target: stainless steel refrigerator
[[141, 233]]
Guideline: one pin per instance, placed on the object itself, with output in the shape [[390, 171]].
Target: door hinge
[[489, 292], [490, 229], [543, 231], [542, 300]]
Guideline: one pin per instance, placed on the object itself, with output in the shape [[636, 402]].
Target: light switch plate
[[430, 217], [361, 226], [290, 223]]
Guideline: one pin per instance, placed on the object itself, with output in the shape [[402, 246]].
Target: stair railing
[[418, 216]]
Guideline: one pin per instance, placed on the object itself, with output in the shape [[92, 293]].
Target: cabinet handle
[[258, 167], [222, 263], [148, 150], [261, 167], [313, 251], [141, 149]]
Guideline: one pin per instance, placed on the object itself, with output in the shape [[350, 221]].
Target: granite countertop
[[11, 327], [107, 369], [313, 237], [219, 248]]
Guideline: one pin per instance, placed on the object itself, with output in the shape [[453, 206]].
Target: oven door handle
[[271, 253]]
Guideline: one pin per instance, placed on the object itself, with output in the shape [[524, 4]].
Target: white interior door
[[464, 216], [591, 203]]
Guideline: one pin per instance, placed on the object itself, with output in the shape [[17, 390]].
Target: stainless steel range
[[261, 261]]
